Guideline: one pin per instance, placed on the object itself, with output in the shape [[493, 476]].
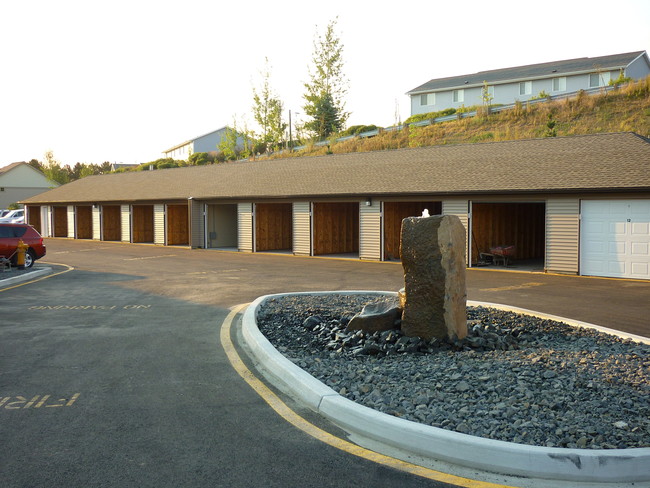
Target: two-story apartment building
[[506, 86]]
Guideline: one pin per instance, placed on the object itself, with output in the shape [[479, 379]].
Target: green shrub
[[541, 95], [430, 115], [199, 159], [620, 80], [355, 130], [161, 164]]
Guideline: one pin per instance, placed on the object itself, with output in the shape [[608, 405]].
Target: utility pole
[[290, 144]]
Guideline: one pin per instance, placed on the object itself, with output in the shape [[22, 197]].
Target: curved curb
[[24, 277], [598, 465]]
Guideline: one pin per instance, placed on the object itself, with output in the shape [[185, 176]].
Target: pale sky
[[123, 80]]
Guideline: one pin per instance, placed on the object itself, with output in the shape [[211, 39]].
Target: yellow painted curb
[[69, 268], [297, 421]]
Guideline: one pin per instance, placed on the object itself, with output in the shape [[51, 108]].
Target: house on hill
[[578, 205], [522, 83], [21, 180], [206, 143]]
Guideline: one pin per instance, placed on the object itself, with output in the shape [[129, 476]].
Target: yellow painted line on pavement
[[297, 421], [150, 257], [69, 268], [523, 286]]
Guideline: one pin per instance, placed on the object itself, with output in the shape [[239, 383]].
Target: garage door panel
[[594, 267], [640, 269], [596, 227], [617, 209], [595, 247], [618, 228], [615, 238], [617, 268], [641, 229], [640, 249], [617, 248], [640, 208]]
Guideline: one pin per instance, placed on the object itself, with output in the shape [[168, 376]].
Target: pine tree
[[327, 86]]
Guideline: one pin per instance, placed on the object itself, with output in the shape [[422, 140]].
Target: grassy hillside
[[624, 109]]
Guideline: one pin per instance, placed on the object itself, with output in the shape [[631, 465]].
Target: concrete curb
[[586, 465], [24, 277]]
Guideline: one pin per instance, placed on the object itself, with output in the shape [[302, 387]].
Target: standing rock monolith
[[433, 258]]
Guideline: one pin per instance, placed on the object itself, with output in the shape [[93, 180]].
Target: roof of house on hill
[[11, 166], [602, 162], [194, 139], [541, 70]]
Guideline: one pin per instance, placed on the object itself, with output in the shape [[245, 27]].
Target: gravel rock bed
[[515, 378]]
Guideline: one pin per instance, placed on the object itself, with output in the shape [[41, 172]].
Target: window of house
[[525, 87], [559, 84], [428, 99], [459, 96], [599, 79]]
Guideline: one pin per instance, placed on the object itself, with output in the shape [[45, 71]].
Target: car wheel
[[29, 258]]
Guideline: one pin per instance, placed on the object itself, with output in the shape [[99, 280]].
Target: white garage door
[[615, 238]]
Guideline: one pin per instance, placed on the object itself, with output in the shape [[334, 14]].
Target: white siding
[[125, 214], [459, 208], [302, 228], [245, 226], [370, 225], [159, 224], [197, 224], [97, 223], [46, 224], [72, 223], [562, 234]]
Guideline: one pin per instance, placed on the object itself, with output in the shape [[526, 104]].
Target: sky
[[122, 81]]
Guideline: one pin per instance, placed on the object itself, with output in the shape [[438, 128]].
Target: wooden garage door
[[178, 227], [615, 238], [111, 222]]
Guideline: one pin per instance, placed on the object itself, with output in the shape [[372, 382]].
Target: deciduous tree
[[53, 171], [267, 112]]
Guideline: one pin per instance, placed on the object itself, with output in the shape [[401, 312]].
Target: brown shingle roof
[[619, 161]]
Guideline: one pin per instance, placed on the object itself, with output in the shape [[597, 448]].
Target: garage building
[[578, 205]]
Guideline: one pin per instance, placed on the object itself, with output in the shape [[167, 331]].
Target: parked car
[[10, 234], [4, 212], [14, 217]]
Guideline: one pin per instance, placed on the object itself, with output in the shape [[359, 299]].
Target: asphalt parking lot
[[112, 374]]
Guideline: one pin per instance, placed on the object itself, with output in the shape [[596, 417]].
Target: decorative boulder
[[433, 258], [378, 316]]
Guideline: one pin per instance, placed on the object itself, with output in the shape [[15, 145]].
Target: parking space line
[[523, 286], [150, 257]]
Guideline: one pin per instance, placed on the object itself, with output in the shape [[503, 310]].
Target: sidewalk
[[20, 275]]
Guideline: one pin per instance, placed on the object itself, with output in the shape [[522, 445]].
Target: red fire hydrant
[[21, 249]]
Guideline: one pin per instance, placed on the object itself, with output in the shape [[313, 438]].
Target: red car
[[10, 234]]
